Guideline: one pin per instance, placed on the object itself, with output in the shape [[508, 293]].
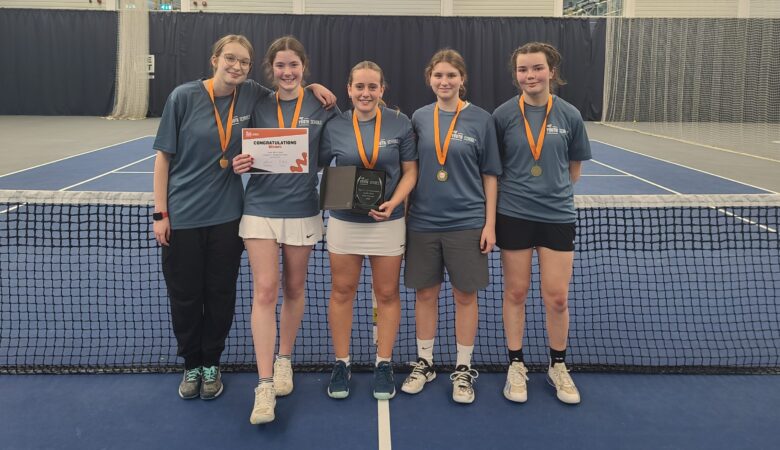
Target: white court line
[[107, 173], [383, 424], [711, 147], [683, 166], [746, 220], [91, 179], [73, 156], [634, 176], [720, 210], [613, 175], [120, 173]]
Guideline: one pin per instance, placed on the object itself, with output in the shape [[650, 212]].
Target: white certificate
[[277, 150]]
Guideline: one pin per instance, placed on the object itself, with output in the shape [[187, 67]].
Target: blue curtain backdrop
[[72, 55]]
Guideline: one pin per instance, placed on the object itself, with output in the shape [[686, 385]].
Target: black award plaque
[[351, 188]]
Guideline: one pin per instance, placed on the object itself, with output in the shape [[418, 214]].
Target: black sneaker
[[384, 384], [339, 380]]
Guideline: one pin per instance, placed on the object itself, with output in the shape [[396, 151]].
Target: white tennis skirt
[[370, 239], [288, 231]]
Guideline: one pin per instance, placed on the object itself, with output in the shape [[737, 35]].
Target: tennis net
[[661, 284]]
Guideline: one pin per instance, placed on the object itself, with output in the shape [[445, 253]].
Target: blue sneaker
[[339, 381], [384, 384]]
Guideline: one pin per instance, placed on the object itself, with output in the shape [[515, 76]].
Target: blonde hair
[[453, 58], [552, 55], [240, 39], [369, 65]]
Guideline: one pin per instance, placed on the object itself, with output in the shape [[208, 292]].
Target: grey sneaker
[[190, 383], [212, 383]]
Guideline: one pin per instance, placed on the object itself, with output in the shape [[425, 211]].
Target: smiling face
[[232, 64], [288, 71], [533, 74], [446, 81], [365, 90]]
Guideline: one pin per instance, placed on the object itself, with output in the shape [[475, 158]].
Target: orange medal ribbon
[[359, 139], [224, 137], [441, 153], [536, 148], [296, 114]]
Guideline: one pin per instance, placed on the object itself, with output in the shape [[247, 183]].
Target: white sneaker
[[515, 388], [265, 402], [283, 376], [422, 373], [558, 376], [463, 384]]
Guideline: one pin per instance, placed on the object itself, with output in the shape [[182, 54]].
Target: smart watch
[[159, 215]]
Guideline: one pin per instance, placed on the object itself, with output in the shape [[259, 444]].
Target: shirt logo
[[307, 122], [386, 142], [239, 119], [459, 136], [553, 129]]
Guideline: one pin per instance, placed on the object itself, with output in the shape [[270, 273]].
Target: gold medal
[[224, 132], [536, 147], [441, 152]]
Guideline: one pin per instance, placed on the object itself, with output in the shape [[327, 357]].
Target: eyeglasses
[[232, 60]]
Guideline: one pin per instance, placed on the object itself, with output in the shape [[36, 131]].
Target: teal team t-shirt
[[549, 197], [458, 203], [396, 145], [288, 195], [200, 192]]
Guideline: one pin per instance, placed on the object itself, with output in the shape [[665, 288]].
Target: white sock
[[425, 349], [344, 360], [379, 359], [464, 355]]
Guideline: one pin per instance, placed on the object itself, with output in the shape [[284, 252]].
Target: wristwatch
[[159, 215]]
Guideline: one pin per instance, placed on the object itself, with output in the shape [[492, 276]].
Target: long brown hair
[[452, 58], [280, 45]]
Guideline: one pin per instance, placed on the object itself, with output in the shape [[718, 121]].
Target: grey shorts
[[429, 253]]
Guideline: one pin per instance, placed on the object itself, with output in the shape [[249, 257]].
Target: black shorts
[[520, 234]]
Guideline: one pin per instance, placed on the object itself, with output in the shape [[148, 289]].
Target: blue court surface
[[621, 411], [127, 167]]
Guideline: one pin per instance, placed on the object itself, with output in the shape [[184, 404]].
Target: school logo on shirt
[[239, 119], [459, 136], [554, 129], [386, 142], [307, 122]]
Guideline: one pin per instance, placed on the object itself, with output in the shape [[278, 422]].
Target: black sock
[[515, 356], [557, 356]]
